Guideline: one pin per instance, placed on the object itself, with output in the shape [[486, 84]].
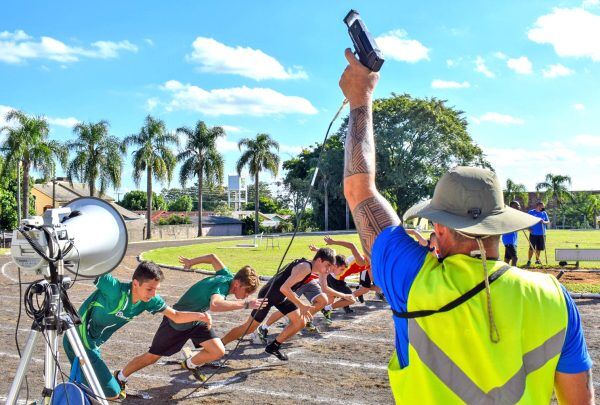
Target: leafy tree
[[98, 155], [514, 191], [581, 210], [555, 188], [266, 205], [154, 156], [264, 189], [258, 156], [201, 159], [418, 140], [27, 145], [183, 203], [137, 200], [223, 210]]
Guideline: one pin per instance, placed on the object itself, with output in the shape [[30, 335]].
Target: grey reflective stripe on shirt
[[455, 379]]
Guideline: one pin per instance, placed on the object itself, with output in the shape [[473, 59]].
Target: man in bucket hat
[[469, 328]]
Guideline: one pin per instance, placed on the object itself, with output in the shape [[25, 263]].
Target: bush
[[174, 220], [182, 203]]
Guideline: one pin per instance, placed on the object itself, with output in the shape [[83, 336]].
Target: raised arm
[[371, 212], [210, 258], [358, 257]]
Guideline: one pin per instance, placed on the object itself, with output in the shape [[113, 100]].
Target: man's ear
[[135, 283]]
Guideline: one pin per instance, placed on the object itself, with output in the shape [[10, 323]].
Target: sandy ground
[[345, 364]]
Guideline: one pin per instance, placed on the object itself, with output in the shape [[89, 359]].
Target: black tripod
[[55, 318]]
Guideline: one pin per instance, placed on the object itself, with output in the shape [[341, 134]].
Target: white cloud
[[520, 65], [215, 57], [498, 118], [450, 63], [5, 109], [482, 68], [587, 140], [149, 41], [17, 47], [291, 149], [396, 46], [151, 103], [590, 3], [556, 70], [63, 122], [224, 145], [444, 84], [234, 101], [231, 128], [579, 107], [500, 55], [572, 32]]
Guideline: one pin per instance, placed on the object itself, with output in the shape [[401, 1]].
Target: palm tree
[[555, 188], [513, 191], [27, 145], [97, 155], [258, 157], [153, 156], [201, 159]]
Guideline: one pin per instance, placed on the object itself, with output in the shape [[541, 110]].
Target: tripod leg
[[84, 361], [50, 363], [13, 394]]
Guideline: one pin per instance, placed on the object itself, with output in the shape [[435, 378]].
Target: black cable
[[298, 220]]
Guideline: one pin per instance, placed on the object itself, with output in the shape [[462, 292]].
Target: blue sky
[[524, 73]]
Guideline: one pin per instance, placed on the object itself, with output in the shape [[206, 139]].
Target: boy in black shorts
[[281, 294], [207, 294]]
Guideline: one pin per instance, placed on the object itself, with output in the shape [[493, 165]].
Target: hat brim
[[497, 223]]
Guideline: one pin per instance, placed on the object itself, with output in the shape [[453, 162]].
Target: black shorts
[[276, 299], [538, 242], [365, 280], [510, 252], [338, 285], [168, 340]]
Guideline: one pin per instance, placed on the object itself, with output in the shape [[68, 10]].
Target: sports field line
[[3, 271]]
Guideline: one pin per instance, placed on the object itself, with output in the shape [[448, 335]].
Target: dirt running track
[[345, 364]]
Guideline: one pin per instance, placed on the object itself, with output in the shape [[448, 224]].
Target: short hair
[[249, 278], [340, 260], [146, 271], [539, 203], [325, 254]]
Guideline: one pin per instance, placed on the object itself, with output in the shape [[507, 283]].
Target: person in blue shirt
[[469, 216], [509, 240], [537, 233]]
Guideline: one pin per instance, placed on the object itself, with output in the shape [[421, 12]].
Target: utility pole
[[19, 193]]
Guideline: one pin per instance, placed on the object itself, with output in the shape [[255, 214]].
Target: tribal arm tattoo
[[371, 212]]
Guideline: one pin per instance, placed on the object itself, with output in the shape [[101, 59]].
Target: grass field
[[266, 260]]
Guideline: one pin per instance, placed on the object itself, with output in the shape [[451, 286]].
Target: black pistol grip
[[364, 43]]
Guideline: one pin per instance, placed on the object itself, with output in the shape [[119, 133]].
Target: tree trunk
[[19, 217], [256, 204], [92, 187], [326, 192], [200, 204], [148, 202], [25, 189]]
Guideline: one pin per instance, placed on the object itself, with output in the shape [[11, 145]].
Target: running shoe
[[122, 385], [274, 350], [361, 299], [327, 315], [195, 371], [538, 262], [260, 336], [528, 263], [380, 296], [312, 328], [348, 310]]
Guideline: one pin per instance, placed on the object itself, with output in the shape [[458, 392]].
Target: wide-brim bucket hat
[[470, 200]]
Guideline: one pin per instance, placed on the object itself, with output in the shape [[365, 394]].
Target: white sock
[[121, 376], [190, 363], [328, 308], [264, 327]]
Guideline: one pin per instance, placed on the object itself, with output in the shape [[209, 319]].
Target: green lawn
[[267, 260], [264, 260], [4, 251]]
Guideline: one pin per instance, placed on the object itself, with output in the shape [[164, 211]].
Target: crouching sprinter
[[281, 294], [114, 304], [208, 293]]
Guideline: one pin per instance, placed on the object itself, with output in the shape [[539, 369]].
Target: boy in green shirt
[[206, 294], [114, 304]]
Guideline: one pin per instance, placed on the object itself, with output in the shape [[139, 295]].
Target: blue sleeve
[[574, 357], [396, 260]]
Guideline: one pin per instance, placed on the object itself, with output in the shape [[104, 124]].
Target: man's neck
[[134, 296]]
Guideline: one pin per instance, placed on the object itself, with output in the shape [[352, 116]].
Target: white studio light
[[88, 232]]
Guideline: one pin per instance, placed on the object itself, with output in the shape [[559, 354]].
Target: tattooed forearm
[[360, 145], [371, 216]]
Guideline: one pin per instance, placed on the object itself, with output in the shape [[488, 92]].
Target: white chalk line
[[3, 270]]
